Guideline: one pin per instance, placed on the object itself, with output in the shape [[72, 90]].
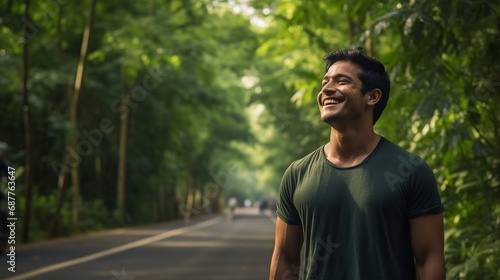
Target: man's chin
[[333, 120], [328, 119]]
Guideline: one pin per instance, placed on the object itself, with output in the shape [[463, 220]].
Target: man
[[359, 207]]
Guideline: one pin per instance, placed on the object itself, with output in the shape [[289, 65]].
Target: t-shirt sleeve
[[424, 195], [285, 208]]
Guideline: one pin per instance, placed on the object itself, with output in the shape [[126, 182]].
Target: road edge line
[[111, 251]]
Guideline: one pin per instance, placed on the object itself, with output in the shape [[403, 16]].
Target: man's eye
[[343, 81]]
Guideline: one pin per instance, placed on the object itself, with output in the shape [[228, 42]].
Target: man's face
[[340, 98]]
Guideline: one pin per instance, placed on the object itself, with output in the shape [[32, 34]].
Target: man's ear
[[373, 96]]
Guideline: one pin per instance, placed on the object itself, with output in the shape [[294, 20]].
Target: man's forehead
[[344, 67]]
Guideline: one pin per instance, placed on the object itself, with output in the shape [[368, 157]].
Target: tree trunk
[[171, 203], [174, 205], [73, 112], [59, 35], [122, 159], [61, 178], [159, 202], [369, 39], [61, 193], [27, 130], [98, 171]]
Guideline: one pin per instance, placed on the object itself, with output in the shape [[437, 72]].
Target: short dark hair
[[372, 76]]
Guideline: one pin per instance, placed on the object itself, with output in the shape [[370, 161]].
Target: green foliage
[[179, 62], [95, 216], [443, 61], [219, 85]]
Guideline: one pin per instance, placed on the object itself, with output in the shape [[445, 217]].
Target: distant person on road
[[233, 202], [360, 206], [262, 205]]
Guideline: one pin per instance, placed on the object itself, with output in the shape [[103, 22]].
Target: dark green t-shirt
[[355, 220]]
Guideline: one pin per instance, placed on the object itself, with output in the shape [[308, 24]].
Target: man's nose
[[329, 88]]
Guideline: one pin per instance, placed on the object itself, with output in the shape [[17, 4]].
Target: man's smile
[[333, 100]]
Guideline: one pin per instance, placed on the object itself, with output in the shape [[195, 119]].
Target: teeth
[[330, 101]]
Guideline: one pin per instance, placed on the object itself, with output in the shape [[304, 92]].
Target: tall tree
[[72, 148], [27, 127]]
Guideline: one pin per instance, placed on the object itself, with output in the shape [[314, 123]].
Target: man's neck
[[350, 146]]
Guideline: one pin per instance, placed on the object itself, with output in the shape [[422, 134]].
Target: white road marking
[[114, 250]]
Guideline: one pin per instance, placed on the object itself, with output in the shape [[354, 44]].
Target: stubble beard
[[330, 118]]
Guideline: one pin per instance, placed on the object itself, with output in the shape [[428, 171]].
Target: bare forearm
[[284, 270], [427, 240], [285, 263]]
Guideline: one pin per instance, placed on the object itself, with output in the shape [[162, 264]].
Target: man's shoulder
[[393, 148], [312, 156], [401, 158], [306, 161]]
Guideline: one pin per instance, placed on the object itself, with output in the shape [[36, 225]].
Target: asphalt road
[[206, 248]]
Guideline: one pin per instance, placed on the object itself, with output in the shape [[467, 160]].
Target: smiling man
[[359, 207]]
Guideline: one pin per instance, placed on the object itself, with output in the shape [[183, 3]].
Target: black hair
[[372, 76]]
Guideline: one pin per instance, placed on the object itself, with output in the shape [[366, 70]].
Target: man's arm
[[427, 239], [285, 263]]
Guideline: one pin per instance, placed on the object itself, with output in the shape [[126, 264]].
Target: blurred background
[[124, 113]]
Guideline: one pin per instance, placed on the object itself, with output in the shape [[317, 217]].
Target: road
[[206, 248]]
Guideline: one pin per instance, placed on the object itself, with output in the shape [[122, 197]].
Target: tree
[[27, 126], [185, 108], [442, 57], [72, 150]]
